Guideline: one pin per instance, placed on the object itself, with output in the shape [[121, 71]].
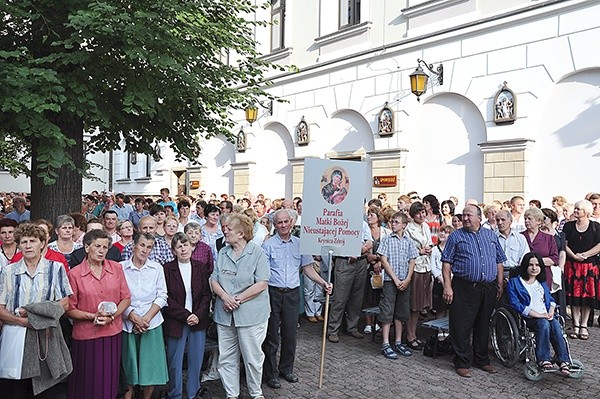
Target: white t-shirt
[[536, 293], [186, 274]]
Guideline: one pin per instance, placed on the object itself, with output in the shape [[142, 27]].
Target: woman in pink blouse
[[540, 242], [96, 344]]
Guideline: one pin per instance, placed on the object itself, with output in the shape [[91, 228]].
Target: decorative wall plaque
[[505, 106]]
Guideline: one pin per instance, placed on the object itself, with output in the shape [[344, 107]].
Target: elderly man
[[19, 213], [283, 254], [472, 266], [512, 242], [161, 252]]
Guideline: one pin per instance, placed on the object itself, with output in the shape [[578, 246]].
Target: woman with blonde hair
[[240, 281]]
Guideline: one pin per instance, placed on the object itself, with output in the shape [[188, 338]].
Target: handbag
[[12, 343]]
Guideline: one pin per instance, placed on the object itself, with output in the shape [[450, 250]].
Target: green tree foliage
[[138, 70]]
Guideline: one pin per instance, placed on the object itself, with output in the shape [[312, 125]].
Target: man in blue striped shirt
[[472, 266]]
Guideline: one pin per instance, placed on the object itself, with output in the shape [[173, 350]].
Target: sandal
[[582, 335], [565, 368], [573, 334], [545, 365], [415, 344]]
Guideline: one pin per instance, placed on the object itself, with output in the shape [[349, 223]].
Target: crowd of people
[[131, 282]]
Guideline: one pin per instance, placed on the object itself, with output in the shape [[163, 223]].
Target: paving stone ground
[[356, 369]]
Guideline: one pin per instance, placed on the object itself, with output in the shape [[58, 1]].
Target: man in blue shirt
[[19, 213], [472, 266], [285, 261], [166, 200]]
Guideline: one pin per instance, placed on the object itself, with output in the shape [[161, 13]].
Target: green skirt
[[144, 358]]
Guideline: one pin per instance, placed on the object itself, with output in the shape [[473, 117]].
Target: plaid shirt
[[161, 252], [399, 251], [203, 254]]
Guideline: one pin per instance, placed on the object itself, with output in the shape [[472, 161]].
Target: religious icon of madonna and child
[[335, 184]]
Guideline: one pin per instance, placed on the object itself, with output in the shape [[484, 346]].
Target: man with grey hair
[[283, 255]]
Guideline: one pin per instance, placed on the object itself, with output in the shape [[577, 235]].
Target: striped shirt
[[474, 256], [19, 288], [398, 251]]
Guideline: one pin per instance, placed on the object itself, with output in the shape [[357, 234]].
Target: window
[[277, 20], [349, 13]]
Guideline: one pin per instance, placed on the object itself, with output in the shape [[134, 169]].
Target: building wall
[[447, 143]]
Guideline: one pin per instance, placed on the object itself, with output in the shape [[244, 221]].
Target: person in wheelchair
[[529, 295]]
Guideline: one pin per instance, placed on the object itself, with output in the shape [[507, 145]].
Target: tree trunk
[[64, 196]]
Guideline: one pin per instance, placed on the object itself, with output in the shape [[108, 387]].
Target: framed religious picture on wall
[[386, 121], [505, 106], [240, 141], [302, 132]]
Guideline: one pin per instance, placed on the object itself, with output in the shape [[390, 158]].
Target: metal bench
[[440, 325], [374, 311]]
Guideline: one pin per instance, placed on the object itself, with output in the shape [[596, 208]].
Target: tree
[[139, 71]]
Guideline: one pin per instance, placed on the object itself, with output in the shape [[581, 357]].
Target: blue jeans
[[548, 332], [175, 351]]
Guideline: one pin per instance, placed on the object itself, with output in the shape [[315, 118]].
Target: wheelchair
[[512, 341]]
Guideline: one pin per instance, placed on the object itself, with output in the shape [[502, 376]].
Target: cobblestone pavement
[[356, 369]]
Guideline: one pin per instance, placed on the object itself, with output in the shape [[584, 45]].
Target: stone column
[[242, 174], [504, 168]]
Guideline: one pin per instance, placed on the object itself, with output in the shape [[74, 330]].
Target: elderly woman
[[200, 251], [540, 242], [171, 227], [64, 229], [143, 356], [581, 269], [259, 231], [32, 279], [420, 287], [125, 230], [98, 284], [242, 307], [186, 315], [490, 211]]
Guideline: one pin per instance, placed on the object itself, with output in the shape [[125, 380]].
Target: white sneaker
[[367, 329], [377, 328]]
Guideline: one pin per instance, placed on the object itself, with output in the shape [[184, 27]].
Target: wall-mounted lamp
[[252, 111], [419, 79]]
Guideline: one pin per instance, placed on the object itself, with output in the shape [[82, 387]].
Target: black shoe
[[274, 383], [289, 377], [203, 391]]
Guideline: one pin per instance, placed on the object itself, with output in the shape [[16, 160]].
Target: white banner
[[332, 207]]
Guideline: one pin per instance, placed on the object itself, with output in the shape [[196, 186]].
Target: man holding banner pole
[[350, 274], [285, 260]]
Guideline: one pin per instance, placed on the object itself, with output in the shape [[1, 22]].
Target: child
[[529, 295], [398, 255], [440, 307]]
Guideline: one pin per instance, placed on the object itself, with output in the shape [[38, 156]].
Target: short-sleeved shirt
[[284, 261], [398, 250], [581, 241], [474, 255], [89, 291], [514, 246], [18, 287], [235, 276]]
